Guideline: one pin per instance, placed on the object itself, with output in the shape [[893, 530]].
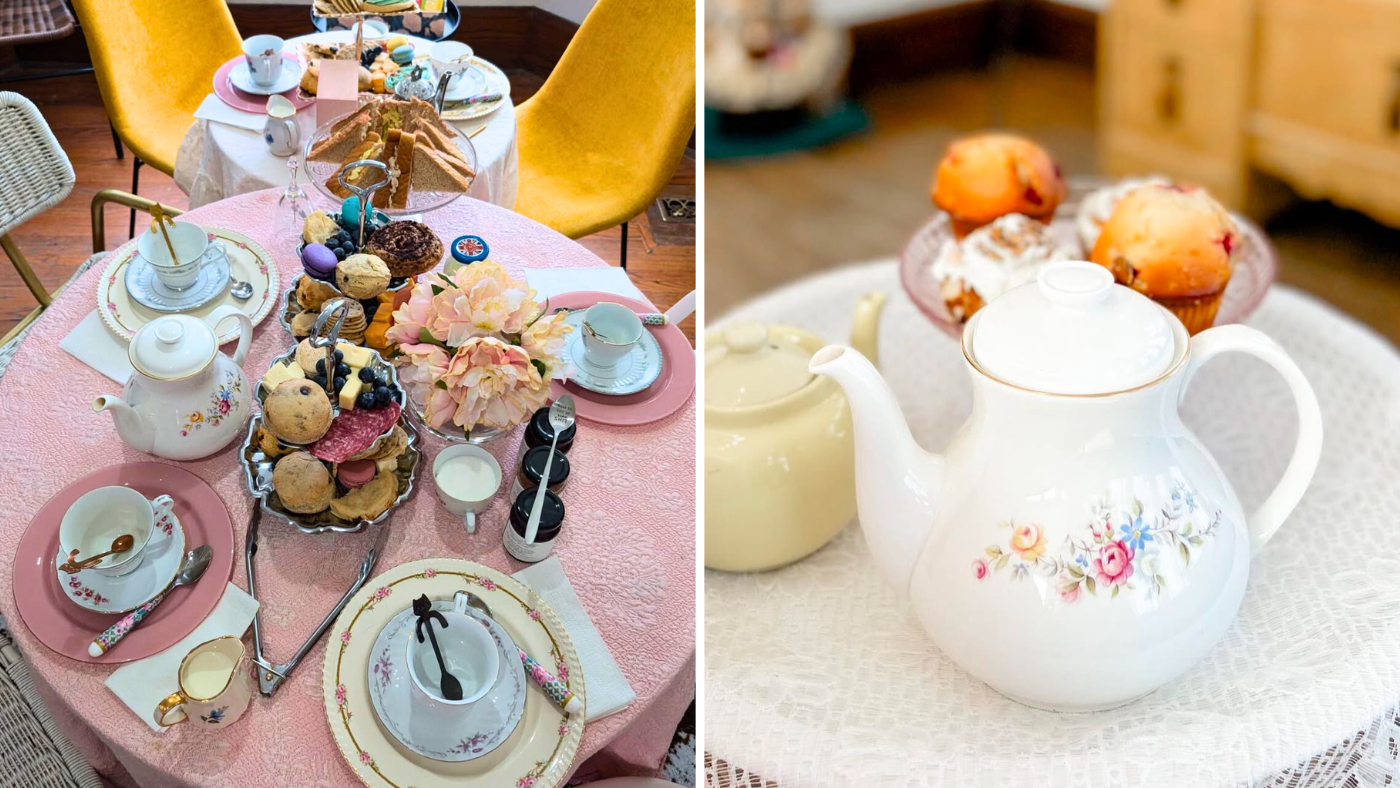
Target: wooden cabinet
[[1306, 90]]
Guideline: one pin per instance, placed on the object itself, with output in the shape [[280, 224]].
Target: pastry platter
[[248, 262], [290, 308]]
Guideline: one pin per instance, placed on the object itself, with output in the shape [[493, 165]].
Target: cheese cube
[[386, 464], [349, 392], [357, 357], [280, 373]]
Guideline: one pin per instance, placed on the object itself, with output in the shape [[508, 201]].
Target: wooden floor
[[59, 240], [772, 221]]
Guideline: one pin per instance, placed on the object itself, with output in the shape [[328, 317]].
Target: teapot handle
[[245, 329], [1265, 520]]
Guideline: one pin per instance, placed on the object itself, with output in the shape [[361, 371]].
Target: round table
[[628, 547], [217, 160]]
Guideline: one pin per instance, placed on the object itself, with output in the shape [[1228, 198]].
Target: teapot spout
[[133, 428], [897, 482], [865, 328]]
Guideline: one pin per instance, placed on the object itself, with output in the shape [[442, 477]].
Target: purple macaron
[[318, 260]]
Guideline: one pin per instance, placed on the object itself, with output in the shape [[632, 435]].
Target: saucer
[[472, 83], [632, 373], [159, 563], [288, 78], [146, 289], [428, 730]]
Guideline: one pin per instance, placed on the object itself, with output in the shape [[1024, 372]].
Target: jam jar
[[539, 433], [532, 468], [551, 523]]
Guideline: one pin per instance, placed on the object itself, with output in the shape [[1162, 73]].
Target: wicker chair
[[33, 751], [32, 21]]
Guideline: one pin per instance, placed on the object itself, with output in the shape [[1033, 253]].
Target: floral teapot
[[1075, 546], [185, 399]]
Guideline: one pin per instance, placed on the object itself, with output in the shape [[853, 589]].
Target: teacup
[[193, 251], [215, 686], [609, 332], [466, 478], [264, 54], [468, 651], [450, 57], [96, 519]]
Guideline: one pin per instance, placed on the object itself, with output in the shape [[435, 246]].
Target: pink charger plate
[[659, 400], [68, 629], [252, 102]]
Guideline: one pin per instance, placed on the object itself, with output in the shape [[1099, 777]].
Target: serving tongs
[[270, 675], [364, 191], [336, 311]]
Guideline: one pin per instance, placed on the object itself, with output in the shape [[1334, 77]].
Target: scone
[[312, 293], [1098, 205], [989, 176], [319, 228], [303, 323], [308, 354], [1174, 245], [1008, 252], [362, 276], [298, 411], [303, 483], [367, 501], [267, 443], [408, 248]]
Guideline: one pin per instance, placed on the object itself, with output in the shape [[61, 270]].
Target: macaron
[[470, 249], [350, 211], [356, 473], [403, 55], [318, 260]]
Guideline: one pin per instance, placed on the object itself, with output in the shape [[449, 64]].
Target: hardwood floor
[[57, 241]]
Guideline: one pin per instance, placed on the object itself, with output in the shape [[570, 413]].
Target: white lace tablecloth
[[819, 675], [216, 160]]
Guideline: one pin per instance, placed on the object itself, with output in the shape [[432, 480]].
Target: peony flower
[[494, 383], [1115, 563], [485, 302], [413, 316], [979, 568], [1028, 541], [544, 339]]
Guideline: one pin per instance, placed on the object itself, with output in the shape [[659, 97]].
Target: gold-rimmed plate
[[496, 82], [539, 753]]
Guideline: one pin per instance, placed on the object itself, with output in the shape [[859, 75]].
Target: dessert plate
[[632, 373], [146, 289], [248, 262], [493, 81], [671, 390], [477, 730], [540, 751], [159, 563], [252, 102], [67, 629], [472, 83], [289, 77]]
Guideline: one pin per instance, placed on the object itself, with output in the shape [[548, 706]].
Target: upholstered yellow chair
[[155, 62], [604, 134]]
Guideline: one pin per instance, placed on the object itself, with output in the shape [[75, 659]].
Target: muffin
[[362, 276], [303, 483], [298, 411], [367, 501], [1174, 245], [408, 248], [991, 260], [303, 323], [312, 293], [989, 176], [1098, 205], [319, 228]]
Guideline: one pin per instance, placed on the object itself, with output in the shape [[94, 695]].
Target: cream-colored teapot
[[184, 399], [1075, 546], [779, 454]]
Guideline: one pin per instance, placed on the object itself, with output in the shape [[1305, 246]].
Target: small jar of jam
[[539, 433], [551, 523], [532, 468]]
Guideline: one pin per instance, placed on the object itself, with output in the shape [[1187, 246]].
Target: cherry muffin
[[983, 178]]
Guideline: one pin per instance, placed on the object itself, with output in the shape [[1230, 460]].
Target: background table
[[818, 674], [628, 545], [217, 160]]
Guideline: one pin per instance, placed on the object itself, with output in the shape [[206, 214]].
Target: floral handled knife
[[192, 568]]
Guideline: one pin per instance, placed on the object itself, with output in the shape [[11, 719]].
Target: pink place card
[[337, 89]]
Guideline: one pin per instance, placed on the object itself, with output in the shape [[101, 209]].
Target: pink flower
[[979, 568], [563, 729], [1115, 563], [544, 339], [340, 694], [488, 584], [485, 302], [527, 781], [534, 614], [1072, 595], [382, 592], [430, 573], [413, 316], [364, 757], [495, 383], [345, 636]]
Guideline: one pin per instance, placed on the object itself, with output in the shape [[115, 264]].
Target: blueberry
[[339, 253], [367, 375], [365, 401], [319, 380], [339, 383], [321, 366], [342, 370], [339, 355], [382, 397]]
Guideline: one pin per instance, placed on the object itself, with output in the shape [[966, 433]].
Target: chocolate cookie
[[408, 248]]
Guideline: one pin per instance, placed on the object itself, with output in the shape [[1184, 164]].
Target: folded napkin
[[143, 684], [605, 689], [93, 344], [549, 282], [213, 108]]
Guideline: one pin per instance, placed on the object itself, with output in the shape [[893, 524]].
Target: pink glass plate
[[251, 102], [1255, 262], [68, 629], [666, 396]]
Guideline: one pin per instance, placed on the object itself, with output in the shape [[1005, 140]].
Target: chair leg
[[135, 181], [117, 142], [624, 246]]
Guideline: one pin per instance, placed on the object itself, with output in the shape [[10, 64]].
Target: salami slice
[[353, 431]]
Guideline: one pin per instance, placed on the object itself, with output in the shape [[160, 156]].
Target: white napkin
[[143, 684], [605, 689], [213, 108], [549, 282], [93, 344]]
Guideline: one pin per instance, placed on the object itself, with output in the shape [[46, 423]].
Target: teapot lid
[[1072, 331], [745, 365], [172, 347]]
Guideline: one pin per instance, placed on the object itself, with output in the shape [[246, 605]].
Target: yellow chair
[[604, 134], [155, 62]]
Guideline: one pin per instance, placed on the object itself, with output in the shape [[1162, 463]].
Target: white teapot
[[185, 399], [1075, 546]]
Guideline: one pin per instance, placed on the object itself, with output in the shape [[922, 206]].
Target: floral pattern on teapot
[[222, 402], [1122, 547]]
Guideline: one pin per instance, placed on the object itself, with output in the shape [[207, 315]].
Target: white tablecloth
[[217, 160]]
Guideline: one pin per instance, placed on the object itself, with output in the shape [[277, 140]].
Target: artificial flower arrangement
[[475, 349]]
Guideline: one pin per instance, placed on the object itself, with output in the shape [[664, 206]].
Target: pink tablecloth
[[628, 548]]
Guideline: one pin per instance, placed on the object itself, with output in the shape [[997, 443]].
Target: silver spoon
[[561, 417], [192, 567], [240, 290]]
